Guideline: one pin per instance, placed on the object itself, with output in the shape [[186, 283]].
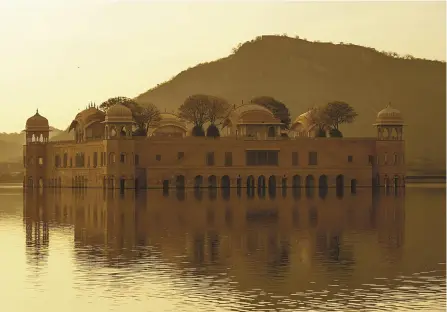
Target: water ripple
[[62, 253]]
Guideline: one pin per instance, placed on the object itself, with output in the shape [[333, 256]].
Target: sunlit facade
[[252, 152]]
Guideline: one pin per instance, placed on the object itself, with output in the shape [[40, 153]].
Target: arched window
[[111, 158], [212, 181], [180, 182], [225, 182], [394, 135], [198, 181], [123, 132], [112, 132]]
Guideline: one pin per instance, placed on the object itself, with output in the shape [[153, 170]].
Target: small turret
[[389, 123], [37, 129], [37, 132], [118, 122]]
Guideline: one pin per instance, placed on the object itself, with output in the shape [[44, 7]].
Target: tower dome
[[119, 113], [389, 116], [37, 123]]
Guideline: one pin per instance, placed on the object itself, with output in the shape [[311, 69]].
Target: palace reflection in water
[[280, 245]]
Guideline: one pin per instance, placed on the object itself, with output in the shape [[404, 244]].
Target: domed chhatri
[[107, 152], [389, 116], [251, 120], [37, 123], [389, 123], [92, 114], [119, 113], [37, 129], [169, 125], [248, 111]]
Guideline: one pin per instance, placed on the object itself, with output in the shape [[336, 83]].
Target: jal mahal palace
[[251, 152]]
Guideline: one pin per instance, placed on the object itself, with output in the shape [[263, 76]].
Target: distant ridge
[[302, 73], [11, 144]]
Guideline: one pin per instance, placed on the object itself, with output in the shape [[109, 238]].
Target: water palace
[[251, 152]]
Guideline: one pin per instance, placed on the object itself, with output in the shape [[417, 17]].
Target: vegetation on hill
[[303, 74]]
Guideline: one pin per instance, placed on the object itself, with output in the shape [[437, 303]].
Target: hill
[[302, 74], [11, 144]]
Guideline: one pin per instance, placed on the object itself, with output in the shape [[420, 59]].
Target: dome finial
[[389, 104]]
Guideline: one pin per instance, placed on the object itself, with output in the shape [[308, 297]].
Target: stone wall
[[167, 162]]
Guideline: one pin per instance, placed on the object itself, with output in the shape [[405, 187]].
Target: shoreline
[[425, 179], [410, 181]]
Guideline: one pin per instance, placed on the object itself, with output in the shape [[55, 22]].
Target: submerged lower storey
[[244, 177]]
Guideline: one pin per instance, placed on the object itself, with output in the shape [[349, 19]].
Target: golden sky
[[57, 55]]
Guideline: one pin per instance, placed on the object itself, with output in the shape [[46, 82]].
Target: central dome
[[169, 116], [254, 113], [119, 113], [252, 107]]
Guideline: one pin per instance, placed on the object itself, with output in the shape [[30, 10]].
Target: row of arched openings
[[55, 182], [394, 181], [114, 131], [261, 193], [29, 182], [79, 182], [261, 182]]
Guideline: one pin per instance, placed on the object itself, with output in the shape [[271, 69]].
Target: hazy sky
[[57, 55]]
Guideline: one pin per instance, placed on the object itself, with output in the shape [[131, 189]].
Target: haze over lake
[[71, 250]]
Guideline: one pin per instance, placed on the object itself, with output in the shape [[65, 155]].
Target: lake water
[[67, 250]]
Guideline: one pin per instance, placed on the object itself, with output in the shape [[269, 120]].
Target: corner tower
[[389, 124], [389, 169], [119, 148], [118, 122], [37, 134]]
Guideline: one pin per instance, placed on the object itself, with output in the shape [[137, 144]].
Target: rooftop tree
[[195, 110], [331, 116], [318, 118], [146, 116], [340, 112], [337, 113], [217, 110], [200, 109], [129, 103]]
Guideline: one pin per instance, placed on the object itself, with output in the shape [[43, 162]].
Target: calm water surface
[[90, 251]]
